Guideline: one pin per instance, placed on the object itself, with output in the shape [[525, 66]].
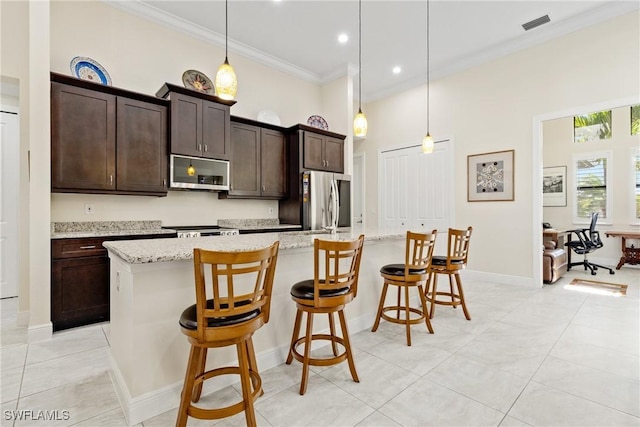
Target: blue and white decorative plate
[[87, 69], [318, 122]]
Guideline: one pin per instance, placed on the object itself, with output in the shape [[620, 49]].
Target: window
[[635, 120], [591, 178], [592, 126]]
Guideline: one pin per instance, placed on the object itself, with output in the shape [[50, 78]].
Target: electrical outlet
[[89, 209], [270, 210]]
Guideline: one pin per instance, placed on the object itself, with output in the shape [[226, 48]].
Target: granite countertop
[[160, 250], [70, 230], [272, 224]]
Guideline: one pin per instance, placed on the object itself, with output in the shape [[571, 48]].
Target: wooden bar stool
[[452, 264], [332, 287], [241, 284], [411, 274]]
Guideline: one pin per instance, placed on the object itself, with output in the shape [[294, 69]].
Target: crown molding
[[161, 17]]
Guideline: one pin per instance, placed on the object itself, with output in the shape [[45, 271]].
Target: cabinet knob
[[110, 179], [199, 147], [164, 182], [205, 148], [264, 188]]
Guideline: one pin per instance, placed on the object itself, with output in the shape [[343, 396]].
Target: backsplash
[[71, 227]]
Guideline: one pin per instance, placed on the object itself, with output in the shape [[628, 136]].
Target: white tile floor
[[540, 357]]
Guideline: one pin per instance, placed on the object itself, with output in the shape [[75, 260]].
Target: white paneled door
[[415, 190], [9, 181]]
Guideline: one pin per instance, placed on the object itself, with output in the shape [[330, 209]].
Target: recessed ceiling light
[[343, 38], [397, 70]]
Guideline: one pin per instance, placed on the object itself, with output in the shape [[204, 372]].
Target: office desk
[[630, 254]]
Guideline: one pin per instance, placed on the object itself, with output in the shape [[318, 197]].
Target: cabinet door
[[83, 139], [245, 164], [273, 163], [215, 131], [313, 151], [79, 291], [334, 154], [142, 146], [186, 125]]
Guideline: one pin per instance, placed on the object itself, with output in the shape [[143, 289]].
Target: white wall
[[14, 68], [558, 150], [490, 108]]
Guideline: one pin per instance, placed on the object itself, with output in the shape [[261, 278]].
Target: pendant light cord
[[360, 55], [428, 67], [226, 29]]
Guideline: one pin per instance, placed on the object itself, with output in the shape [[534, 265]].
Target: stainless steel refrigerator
[[326, 200], [317, 200]]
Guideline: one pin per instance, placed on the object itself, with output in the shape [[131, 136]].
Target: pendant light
[[226, 82], [360, 120], [427, 141], [191, 171]]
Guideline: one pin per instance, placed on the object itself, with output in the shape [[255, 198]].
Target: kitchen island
[[152, 282]]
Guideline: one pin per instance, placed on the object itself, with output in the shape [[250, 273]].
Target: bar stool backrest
[[336, 267], [458, 248], [240, 285], [418, 252]]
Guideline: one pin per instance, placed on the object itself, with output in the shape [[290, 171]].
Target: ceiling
[[300, 36]]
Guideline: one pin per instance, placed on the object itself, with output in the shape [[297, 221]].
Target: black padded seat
[[304, 290], [398, 270], [188, 319], [442, 260]]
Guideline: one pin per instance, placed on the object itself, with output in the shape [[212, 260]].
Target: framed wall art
[[554, 186], [490, 177]]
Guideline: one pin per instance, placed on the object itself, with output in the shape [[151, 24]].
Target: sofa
[[554, 262]]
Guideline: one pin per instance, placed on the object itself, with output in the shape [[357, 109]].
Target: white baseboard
[[39, 332]]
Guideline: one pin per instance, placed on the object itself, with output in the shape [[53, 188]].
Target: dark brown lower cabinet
[[80, 280], [79, 291]]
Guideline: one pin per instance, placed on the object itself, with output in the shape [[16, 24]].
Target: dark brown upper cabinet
[[106, 140], [319, 149], [259, 161], [200, 125]]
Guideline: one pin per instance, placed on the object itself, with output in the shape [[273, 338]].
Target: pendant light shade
[[226, 82], [427, 141], [191, 171], [360, 120], [427, 144], [360, 124]]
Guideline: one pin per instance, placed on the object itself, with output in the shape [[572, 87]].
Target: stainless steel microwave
[[197, 173]]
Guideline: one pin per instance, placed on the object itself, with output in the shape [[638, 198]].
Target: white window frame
[[608, 154], [632, 213]]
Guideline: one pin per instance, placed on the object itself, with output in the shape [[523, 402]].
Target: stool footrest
[[402, 310], [315, 361], [227, 411], [456, 299]]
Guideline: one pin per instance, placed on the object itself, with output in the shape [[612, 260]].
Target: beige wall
[[558, 150], [491, 107]]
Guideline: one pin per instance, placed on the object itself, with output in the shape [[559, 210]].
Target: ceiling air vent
[[536, 22]]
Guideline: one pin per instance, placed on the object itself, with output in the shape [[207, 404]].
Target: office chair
[[588, 241]]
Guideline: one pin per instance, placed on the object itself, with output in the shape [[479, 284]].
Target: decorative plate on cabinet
[[268, 116], [318, 122], [88, 69], [196, 80]]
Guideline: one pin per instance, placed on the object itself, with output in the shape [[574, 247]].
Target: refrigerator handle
[[334, 205]]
